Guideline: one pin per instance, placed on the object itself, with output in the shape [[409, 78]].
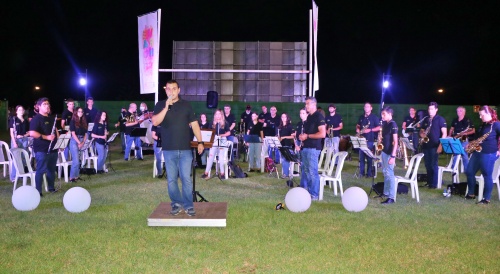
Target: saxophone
[[425, 139], [360, 133], [476, 144], [380, 146], [462, 135], [330, 131]]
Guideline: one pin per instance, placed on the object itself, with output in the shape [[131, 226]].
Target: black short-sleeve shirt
[[311, 125], [229, 121], [255, 129], [333, 122], [43, 125], [437, 123], [372, 121], [79, 131], [286, 131], [99, 129], [272, 123], [388, 129], [90, 114], [490, 144], [175, 125], [459, 126], [66, 116], [21, 127]]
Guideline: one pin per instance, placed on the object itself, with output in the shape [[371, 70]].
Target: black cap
[[249, 107]]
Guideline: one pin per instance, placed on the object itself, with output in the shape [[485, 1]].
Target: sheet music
[[90, 127], [272, 141], [62, 141]]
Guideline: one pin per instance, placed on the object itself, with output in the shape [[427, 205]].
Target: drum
[[345, 143]]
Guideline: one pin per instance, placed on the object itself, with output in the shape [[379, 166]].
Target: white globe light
[[385, 84], [298, 199], [83, 81], [355, 199], [25, 198], [76, 199]]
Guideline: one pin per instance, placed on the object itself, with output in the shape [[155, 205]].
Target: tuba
[[360, 133], [476, 144]]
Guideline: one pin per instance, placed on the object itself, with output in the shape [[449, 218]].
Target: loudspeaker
[[212, 99]]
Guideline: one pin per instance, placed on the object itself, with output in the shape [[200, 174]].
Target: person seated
[[221, 131]]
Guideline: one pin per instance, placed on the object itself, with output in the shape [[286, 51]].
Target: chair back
[[19, 157], [322, 160], [415, 163], [340, 164], [496, 170], [229, 145], [4, 152], [329, 169]]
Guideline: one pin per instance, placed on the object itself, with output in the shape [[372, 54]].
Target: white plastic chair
[[89, 156], [155, 172], [5, 158], [19, 157], [410, 177], [333, 178], [480, 180], [62, 165], [451, 169], [325, 157], [225, 155]]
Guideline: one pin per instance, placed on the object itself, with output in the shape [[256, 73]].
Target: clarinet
[[52, 132]]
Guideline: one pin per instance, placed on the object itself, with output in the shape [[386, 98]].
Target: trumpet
[[462, 135], [476, 144], [330, 131], [380, 146], [360, 133]]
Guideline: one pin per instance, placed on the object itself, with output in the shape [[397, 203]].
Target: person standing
[[334, 125], [255, 148], [272, 122], [464, 127], [90, 111], [78, 128], [411, 120], [132, 122], [19, 133], [246, 119], [99, 134], [285, 136], [66, 119], [388, 155], [176, 116], [484, 161], [121, 126], [230, 121], [44, 133], [433, 128], [156, 134], [368, 125], [314, 132]]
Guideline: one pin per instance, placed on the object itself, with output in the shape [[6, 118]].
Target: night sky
[[423, 45]]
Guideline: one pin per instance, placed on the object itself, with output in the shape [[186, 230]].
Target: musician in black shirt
[[410, 126], [285, 131], [19, 133], [255, 149], [44, 133], [464, 127], [369, 125], [388, 154]]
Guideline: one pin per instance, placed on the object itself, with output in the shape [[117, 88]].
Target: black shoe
[[251, 170], [388, 201], [483, 202], [382, 196], [159, 176], [204, 176], [126, 159], [140, 159], [222, 177], [41, 195], [100, 171], [52, 190], [470, 197], [72, 180]]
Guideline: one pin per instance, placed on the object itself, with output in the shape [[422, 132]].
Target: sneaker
[[73, 180], [191, 212], [140, 159], [52, 190], [159, 176], [483, 202], [126, 159], [222, 176], [176, 208], [204, 176], [388, 201], [314, 198]]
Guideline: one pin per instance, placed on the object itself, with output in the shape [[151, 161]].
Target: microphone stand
[[217, 154]]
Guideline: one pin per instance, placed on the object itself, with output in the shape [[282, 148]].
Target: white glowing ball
[[76, 200], [355, 199], [298, 199], [25, 198]]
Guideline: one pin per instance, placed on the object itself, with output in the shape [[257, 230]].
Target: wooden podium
[[207, 215]]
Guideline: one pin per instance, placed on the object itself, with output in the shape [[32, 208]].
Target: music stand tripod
[[220, 144], [62, 143], [108, 155], [285, 152], [196, 194], [361, 144]]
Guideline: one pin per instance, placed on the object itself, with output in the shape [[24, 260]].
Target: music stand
[[62, 141], [285, 152], [407, 143], [207, 136], [361, 144], [274, 143], [220, 143], [138, 132], [452, 146], [106, 145]]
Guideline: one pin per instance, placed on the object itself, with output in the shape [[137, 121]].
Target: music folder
[[138, 132]]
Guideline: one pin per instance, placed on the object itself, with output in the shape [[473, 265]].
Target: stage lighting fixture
[[385, 84], [83, 81]]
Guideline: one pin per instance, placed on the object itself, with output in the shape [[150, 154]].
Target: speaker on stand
[[212, 99]]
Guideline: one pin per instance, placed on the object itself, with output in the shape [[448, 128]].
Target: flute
[[52, 132]]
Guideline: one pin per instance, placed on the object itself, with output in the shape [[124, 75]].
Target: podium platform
[[207, 215]]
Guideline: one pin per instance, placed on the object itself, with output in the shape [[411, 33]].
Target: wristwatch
[[393, 156], [201, 143]]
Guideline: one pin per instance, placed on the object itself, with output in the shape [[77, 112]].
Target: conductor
[[177, 118]]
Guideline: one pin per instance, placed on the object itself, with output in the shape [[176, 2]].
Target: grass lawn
[[438, 235]]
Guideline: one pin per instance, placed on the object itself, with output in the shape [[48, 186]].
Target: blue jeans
[[101, 155], [75, 158], [138, 144], [178, 164], [431, 165], [465, 157], [21, 143], [45, 164], [484, 162], [158, 153], [254, 151], [286, 165], [310, 177], [389, 181], [369, 161]]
